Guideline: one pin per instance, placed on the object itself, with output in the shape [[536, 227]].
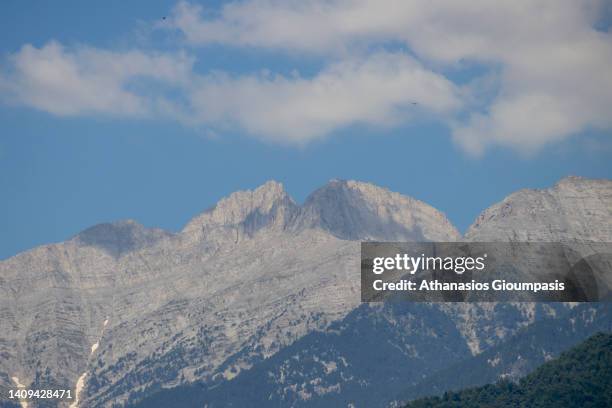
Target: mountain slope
[[521, 353], [580, 377], [573, 209], [299, 375], [241, 281], [364, 212], [260, 290], [358, 359], [363, 360]]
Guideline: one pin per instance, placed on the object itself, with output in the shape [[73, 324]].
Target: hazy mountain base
[[370, 348], [520, 354], [579, 378], [372, 354]]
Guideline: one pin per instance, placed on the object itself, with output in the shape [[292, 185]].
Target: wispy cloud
[[554, 65], [382, 89], [88, 80], [551, 65]]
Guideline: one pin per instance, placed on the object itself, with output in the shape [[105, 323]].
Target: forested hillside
[[580, 377]]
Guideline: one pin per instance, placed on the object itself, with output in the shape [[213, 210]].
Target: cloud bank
[[88, 80], [542, 70]]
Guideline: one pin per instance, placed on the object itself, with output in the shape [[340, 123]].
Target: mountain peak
[[246, 211], [572, 180], [272, 187], [581, 183], [120, 236], [574, 208], [357, 210]]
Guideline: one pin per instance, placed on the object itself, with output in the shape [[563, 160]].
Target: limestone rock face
[[130, 309], [120, 237], [239, 282], [574, 209], [362, 211], [243, 214]]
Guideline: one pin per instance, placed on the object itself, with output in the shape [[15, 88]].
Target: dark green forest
[[580, 377]]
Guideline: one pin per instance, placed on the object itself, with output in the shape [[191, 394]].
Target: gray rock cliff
[[125, 310]]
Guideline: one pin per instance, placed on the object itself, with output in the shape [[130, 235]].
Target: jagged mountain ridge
[[169, 314], [349, 210], [162, 296], [327, 370]]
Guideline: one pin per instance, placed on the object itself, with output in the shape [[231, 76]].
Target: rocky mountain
[[357, 211], [238, 283], [575, 208], [395, 352], [367, 359], [259, 297]]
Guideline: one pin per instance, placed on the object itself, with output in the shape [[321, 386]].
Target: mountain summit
[[120, 237], [575, 208], [349, 210], [362, 211], [243, 214], [132, 310]]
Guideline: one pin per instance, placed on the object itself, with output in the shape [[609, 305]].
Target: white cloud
[[382, 89], [545, 79], [87, 80], [553, 65]]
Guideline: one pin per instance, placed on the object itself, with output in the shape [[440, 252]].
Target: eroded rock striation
[[252, 276]]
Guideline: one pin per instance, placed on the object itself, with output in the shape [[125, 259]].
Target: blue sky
[[111, 112]]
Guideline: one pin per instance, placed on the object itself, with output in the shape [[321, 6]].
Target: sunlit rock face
[[255, 272], [361, 211], [247, 279], [574, 209]]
